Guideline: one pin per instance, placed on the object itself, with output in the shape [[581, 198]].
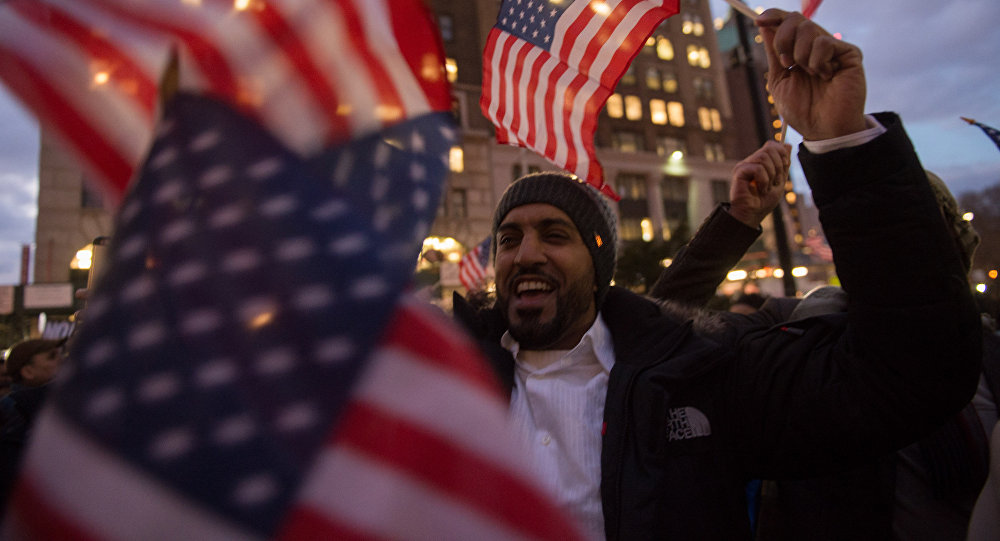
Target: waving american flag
[[549, 67], [249, 366]]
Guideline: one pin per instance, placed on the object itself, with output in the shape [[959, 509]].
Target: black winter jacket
[[691, 415]]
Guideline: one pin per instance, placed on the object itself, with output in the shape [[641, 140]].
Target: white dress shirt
[[557, 409]]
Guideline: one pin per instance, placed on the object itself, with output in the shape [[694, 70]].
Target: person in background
[[31, 365]]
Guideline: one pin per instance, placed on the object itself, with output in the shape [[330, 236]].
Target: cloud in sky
[[18, 185]]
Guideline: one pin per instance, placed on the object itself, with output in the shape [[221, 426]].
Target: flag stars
[[147, 335], [170, 191], [172, 444], [234, 431], [159, 387], [227, 216], [201, 321], [100, 352], [275, 362], [187, 274], [104, 402], [279, 206], [241, 260], [315, 297], [205, 141], [131, 247], [265, 168], [368, 287], [297, 417], [295, 249], [164, 158], [335, 350], [216, 373], [349, 244], [329, 211], [255, 490], [138, 289], [215, 176], [177, 231]]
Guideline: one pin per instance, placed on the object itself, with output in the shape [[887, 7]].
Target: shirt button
[[546, 439]]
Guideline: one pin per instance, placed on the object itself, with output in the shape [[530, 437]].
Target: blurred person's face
[[42, 367]]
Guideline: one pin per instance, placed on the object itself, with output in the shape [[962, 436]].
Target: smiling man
[[644, 425]]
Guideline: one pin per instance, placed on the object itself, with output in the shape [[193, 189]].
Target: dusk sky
[[928, 60]]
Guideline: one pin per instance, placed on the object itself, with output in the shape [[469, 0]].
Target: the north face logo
[[686, 423]]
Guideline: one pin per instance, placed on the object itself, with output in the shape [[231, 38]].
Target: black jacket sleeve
[[902, 359], [702, 264]]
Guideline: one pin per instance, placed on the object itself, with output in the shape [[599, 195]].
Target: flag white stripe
[[354, 489], [395, 372], [125, 124], [103, 494], [524, 100]]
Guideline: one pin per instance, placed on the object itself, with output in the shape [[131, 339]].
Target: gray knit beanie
[[588, 209]]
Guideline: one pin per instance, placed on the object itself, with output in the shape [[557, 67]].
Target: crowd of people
[[861, 412]]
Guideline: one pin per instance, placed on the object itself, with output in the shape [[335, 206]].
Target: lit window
[[676, 111], [670, 82], [664, 49], [716, 119], [625, 141], [699, 28], [688, 25], [665, 146], [446, 25], [704, 118], [451, 67], [658, 112], [647, 229], [653, 79], [456, 159], [615, 108], [633, 108], [698, 56]]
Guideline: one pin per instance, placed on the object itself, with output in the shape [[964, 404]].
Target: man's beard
[[532, 334]]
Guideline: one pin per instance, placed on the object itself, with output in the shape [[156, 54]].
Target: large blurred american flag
[[249, 365]]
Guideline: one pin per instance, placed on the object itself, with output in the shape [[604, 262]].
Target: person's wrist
[[746, 216]]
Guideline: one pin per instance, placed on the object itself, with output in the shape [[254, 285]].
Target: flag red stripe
[[515, 125], [536, 69], [211, 61], [34, 518], [52, 109], [423, 340], [123, 67], [415, 35], [488, 75], [600, 38], [501, 113], [285, 38], [306, 524], [549, 105], [440, 464]]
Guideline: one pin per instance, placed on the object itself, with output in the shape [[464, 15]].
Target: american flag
[[548, 69], [248, 366], [809, 7], [473, 268], [312, 71], [990, 132]]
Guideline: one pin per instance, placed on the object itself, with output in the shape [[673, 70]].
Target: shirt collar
[[597, 339]]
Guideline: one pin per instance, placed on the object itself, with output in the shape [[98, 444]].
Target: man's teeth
[[533, 286]]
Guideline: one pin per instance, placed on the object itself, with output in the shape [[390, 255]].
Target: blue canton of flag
[[533, 21], [245, 289]]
